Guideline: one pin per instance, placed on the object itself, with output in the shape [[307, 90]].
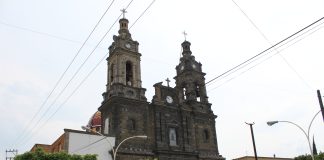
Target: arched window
[[205, 135], [184, 93], [131, 124], [173, 137], [198, 92], [106, 129], [129, 73], [112, 67]]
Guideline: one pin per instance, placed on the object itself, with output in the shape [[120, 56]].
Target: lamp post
[[253, 141], [112, 147], [270, 123]]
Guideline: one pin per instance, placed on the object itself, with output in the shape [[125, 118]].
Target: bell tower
[[125, 110], [190, 80], [124, 68], [199, 120]]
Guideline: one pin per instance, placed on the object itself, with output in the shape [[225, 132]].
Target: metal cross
[[185, 35], [123, 11], [168, 81]]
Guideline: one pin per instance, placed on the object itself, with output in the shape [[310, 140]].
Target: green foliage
[[39, 154], [320, 156]]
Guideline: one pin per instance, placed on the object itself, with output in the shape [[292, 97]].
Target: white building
[[81, 142]]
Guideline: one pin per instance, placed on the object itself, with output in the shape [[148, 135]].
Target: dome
[[95, 122]]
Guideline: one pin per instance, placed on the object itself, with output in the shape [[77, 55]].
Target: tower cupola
[[186, 49]]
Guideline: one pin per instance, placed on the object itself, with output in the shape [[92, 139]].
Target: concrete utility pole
[[320, 102], [13, 152], [255, 152]]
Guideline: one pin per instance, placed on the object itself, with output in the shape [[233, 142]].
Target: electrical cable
[[261, 53], [265, 37], [38, 32], [142, 14], [82, 66], [263, 60], [84, 147], [279, 47], [72, 93], [63, 74]]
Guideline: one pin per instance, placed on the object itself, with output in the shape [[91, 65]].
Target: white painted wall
[[82, 144]]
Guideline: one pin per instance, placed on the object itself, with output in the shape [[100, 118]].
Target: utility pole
[[255, 152], [320, 102], [13, 152]]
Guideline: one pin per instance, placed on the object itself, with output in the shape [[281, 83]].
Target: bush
[[39, 154], [320, 156]]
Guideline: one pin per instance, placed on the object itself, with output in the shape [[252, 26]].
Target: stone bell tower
[[200, 128], [125, 110], [124, 68], [190, 80]]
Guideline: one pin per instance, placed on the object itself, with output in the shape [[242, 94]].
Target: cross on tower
[[123, 11], [185, 35], [168, 81]]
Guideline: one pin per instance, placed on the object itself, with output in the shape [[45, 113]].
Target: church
[[178, 122]]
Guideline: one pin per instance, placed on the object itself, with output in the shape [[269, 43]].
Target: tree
[[39, 154], [320, 156]]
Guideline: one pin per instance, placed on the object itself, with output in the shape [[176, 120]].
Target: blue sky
[[39, 39]]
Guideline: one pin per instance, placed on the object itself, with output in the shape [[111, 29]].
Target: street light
[[270, 123], [114, 151]]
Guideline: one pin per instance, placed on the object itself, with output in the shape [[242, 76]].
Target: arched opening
[[184, 93], [129, 73], [131, 124], [112, 67], [205, 135], [173, 137], [106, 130], [197, 89]]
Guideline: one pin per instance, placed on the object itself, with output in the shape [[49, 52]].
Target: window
[[106, 129], [184, 93], [198, 92], [129, 73], [131, 124], [112, 66], [173, 137], [205, 135]]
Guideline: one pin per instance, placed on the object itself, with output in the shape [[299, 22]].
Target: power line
[[266, 50], [80, 69], [42, 33], [63, 74], [142, 14], [72, 93], [74, 75], [270, 56], [262, 60], [265, 37], [81, 148], [38, 32]]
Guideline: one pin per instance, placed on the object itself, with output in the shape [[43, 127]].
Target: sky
[[40, 38]]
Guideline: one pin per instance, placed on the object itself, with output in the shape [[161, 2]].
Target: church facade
[[178, 122]]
